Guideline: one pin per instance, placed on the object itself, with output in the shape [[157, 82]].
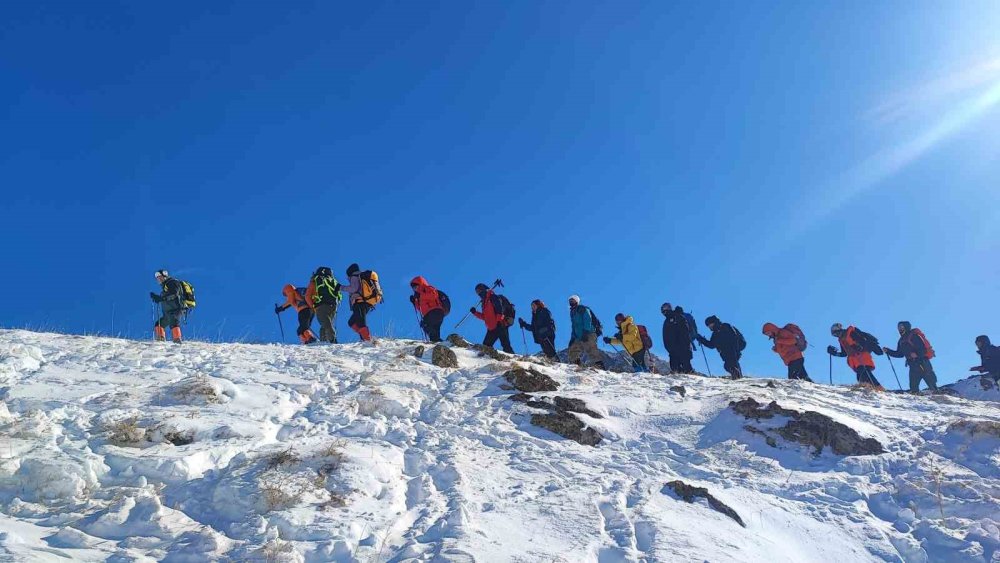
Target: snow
[[114, 450]]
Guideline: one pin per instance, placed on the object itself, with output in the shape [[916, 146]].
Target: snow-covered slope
[[134, 451]]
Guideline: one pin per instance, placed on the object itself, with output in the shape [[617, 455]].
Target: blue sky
[[800, 161]]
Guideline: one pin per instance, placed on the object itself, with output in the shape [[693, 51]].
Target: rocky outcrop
[[567, 426], [808, 428], [488, 351], [680, 390], [530, 380], [419, 351], [688, 493], [558, 404], [443, 357], [457, 340]]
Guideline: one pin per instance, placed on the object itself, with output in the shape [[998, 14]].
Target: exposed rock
[[443, 357], [488, 351], [973, 427], [567, 426], [809, 428], [688, 493], [530, 380], [771, 385], [986, 383], [419, 351], [574, 405], [680, 390], [506, 387], [457, 340]]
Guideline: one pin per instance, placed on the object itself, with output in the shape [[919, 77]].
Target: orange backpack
[[927, 345]]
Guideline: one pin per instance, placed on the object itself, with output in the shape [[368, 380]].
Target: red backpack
[[927, 345], [647, 342], [800, 337]]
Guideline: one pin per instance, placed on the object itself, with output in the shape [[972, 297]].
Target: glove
[[413, 299], [154, 296], [472, 309], [831, 350], [277, 309], [522, 323], [607, 340]]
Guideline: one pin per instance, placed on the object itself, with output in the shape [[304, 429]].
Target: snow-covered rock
[[141, 451]]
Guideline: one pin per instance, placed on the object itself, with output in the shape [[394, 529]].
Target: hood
[[353, 269], [419, 280], [770, 329], [288, 290]]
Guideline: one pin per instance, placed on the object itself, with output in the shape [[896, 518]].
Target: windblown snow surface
[[137, 451]]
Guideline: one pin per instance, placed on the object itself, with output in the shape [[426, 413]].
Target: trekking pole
[[894, 372], [704, 355], [524, 340], [495, 284], [831, 368], [420, 323], [629, 356], [280, 326]]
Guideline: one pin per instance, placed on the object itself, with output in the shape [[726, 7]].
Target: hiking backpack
[[445, 301], [929, 351], [327, 288], [800, 337], [741, 343], [647, 342], [187, 295], [867, 342], [507, 310], [371, 289], [598, 329]]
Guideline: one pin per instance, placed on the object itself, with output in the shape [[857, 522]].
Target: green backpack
[[327, 288]]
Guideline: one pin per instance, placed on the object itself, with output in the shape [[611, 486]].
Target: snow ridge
[[133, 451]]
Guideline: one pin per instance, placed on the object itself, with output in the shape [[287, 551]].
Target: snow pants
[[501, 333], [586, 345], [797, 370], [733, 367], [640, 361], [680, 363], [922, 369], [305, 321], [326, 313], [867, 375], [431, 324]]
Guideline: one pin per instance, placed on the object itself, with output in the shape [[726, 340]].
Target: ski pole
[[831, 367], [495, 284], [704, 355], [280, 326], [524, 340], [894, 372], [420, 323], [622, 352]]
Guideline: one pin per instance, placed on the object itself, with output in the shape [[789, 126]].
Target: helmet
[[836, 329], [161, 274]]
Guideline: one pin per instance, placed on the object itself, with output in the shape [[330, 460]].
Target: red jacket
[[425, 297], [856, 355], [490, 315], [784, 343]]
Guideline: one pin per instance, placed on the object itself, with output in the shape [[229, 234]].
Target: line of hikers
[[322, 296]]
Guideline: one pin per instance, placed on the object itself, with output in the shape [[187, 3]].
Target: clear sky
[[762, 161]]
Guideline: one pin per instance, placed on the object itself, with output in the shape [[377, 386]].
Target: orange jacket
[[425, 297], [856, 355], [293, 299], [784, 343]]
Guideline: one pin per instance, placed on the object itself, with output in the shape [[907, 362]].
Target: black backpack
[[867, 341], [741, 343], [598, 329], [445, 301], [507, 310], [327, 288]]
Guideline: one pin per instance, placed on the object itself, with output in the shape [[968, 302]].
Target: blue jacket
[[582, 323]]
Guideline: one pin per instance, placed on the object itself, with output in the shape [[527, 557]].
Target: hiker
[[584, 337], [855, 345], [628, 337], [677, 339], [728, 341], [296, 297], [789, 343], [428, 301], [171, 300], [692, 327], [913, 346], [990, 355], [542, 328], [323, 297], [365, 292], [497, 325]]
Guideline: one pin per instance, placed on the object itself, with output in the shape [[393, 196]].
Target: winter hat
[[836, 329], [713, 320], [353, 269], [619, 317], [575, 298], [161, 274], [905, 325], [481, 288], [666, 308], [985, 340]]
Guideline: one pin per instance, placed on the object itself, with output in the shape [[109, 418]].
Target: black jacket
[[171, 295], [724, 340], [542, 327], [909, 343], [676, 337], [991, 359]]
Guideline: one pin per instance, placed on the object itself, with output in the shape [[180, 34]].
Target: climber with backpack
[[365, 292], [914, 346], [586, 329], [296, 297], [176, 297], [432, 304], [730, 343], [323, 297], [857, 346], [789, 343], [989, 365], [542, 328], [498, 315], [677, 339], [630, 338]]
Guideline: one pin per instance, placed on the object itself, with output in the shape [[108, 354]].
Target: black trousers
[[733, 367], [922, 369], [797, 370], [866, 375], [681, 364], [305, 321], [359, 315], [640, 360], [432, 324], [502, 333], [548, 348], [171, 318]]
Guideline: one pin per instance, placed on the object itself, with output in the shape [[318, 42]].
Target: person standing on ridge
[[542, 328], [728, 341], [171, 300], [692, 327], [584, 337], [365, 292], [913, 346], [323, 297], [296, 297], [789, 343], [990, 356], [430, 304], [856, 345], [677, 339], [628, 336], [497, 325]]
